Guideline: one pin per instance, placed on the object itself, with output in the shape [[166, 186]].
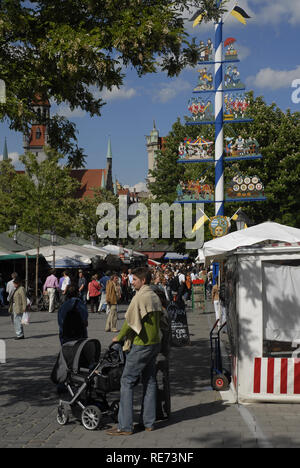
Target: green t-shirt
[[149, 334]]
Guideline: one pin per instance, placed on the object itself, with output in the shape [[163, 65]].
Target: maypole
[[231, 106], [219, 123]]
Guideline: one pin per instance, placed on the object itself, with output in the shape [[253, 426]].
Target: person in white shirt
[[194, 275], [10, 287], [64, 286], [181, 278]]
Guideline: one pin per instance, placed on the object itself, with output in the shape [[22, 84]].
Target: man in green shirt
[[142, 328]]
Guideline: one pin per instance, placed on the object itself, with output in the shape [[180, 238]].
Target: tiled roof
[[89, 179]]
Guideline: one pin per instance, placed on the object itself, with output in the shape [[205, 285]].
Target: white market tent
[[261, 277], [87, 250], [116, 250], [200, 258], [64, 257], [5, 252], [264, 232]]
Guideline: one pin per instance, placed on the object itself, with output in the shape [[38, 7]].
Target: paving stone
[[28, 401]]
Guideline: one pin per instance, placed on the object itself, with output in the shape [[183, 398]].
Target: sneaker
[[19, 337], [114, 330], [115, 431]]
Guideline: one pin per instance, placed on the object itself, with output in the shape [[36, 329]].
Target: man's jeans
[[140, 361], [82, 295], [17, 321], [51, 294]]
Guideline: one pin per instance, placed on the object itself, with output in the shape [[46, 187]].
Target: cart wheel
[[114, 408], [63, 415], [91, 417], [220, 382]]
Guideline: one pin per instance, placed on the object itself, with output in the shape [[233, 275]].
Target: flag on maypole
[[240, 14]]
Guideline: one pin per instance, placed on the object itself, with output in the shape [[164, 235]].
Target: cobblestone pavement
[[200, 419]]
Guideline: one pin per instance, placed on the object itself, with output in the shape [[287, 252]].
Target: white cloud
[[118, 93], [65, 111], [13, 156], [268, 78], [169, 91], [277, 11], [139, 187], [272, 12], [122, 93]]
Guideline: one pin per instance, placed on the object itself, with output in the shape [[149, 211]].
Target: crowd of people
[[102, 292]]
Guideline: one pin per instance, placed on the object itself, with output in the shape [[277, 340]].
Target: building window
[[38, 134]]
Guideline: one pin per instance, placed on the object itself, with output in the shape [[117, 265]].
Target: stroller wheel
[[114, 408], [63, 415], [91, 417]]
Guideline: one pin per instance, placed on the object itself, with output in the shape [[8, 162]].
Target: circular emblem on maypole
[[219, 226]]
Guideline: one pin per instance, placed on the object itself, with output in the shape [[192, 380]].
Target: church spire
[[5, 152], [109, 151], [109, 179]]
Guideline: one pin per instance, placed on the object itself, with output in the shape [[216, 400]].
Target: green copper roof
[[109, 151], [5, 152]]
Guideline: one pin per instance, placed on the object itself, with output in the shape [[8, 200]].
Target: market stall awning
[[153, 262], [64, 257], [264, 232], [175, 256], [13, 256]]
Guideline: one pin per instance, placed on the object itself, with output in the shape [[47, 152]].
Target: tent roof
[[175, 256], [64, 257], [261, 233], [115, 250], [13, 256]]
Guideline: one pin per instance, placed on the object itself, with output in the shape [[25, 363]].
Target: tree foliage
[[41, 198], [69, 50], [86, 220]]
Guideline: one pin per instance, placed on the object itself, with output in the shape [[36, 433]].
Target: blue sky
[[270, 62]]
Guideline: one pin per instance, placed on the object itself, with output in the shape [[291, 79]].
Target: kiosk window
[[281, 309]]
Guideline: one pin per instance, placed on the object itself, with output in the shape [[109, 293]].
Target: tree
[[86, 219], [43, 195], [69, 50], [8, 208], [278, 134]]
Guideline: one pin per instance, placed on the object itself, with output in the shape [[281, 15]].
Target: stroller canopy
[[75, 355]]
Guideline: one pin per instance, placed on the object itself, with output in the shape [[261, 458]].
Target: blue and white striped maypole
[[219, 128]]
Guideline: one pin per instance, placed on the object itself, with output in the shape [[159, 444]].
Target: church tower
[[38, 136], [109, 178], [153, 145]]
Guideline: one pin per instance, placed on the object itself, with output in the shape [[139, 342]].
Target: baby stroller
[[88, 379]]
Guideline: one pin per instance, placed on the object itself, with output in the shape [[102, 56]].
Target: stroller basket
[[110, 370]]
